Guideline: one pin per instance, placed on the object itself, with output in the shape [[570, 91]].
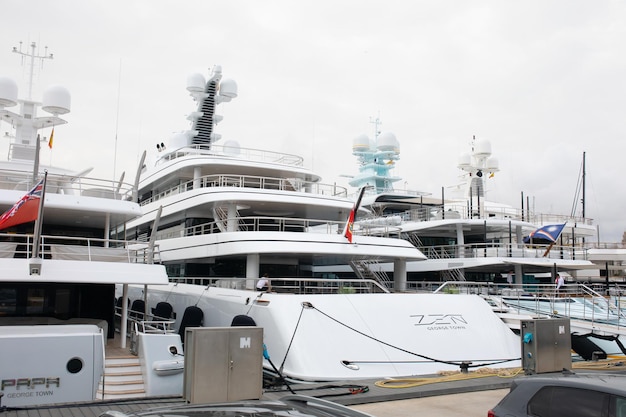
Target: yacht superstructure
[[468, 236]]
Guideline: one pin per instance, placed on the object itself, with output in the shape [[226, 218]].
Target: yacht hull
[[322, 337]]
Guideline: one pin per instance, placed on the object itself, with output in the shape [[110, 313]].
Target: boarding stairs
[[370, 269], [447, 275], [122, 379], [221, 216]]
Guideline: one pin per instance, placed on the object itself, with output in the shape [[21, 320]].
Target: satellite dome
[[361, 144], [56, 100], [179, 140], [232, 148], [8, 92], [465, 161], [482, 148], [493, 164], [196, 83], [388, 142], [228, 88]]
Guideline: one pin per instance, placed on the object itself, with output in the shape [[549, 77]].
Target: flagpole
[[39, 221], [36, 164]]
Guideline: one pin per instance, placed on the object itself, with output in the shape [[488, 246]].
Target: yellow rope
[[485, 372], [447, 377]]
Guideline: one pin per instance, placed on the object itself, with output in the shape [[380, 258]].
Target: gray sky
[[543, 81]]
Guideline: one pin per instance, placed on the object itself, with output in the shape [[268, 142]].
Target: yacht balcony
[[255, 182]]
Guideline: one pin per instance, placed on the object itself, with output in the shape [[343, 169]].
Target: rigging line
[[200, 296], [170, 293], [399, 348], [577, 192], [292, 337]]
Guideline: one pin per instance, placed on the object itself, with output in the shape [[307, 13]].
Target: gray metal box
[[223, 364], [546, 345]]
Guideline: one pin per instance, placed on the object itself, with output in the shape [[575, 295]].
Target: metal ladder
[[363, 269]]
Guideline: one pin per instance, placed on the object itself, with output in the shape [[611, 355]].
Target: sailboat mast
[[584, 175]]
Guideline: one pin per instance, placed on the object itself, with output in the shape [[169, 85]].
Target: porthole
[[74, 365]]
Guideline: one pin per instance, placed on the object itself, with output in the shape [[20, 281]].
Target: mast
[[32, 55], [584, 179]]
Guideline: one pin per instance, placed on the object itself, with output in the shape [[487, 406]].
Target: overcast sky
[[543, 81]]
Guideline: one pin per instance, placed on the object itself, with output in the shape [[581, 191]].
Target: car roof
[[611, 383], [287, 406]]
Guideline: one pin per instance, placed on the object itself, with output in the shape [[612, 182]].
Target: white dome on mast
[[8, 92], [56, 100]]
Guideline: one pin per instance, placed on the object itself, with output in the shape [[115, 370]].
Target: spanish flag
[[51, 139]]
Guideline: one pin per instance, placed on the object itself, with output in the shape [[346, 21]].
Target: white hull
[[352, 336]]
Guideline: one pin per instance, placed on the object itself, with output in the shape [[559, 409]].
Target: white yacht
[[473, 244], [222, 215], [464, 237], [58, 273]]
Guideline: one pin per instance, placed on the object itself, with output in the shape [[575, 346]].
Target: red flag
[[348, 233], [348, 230], [25, 210]]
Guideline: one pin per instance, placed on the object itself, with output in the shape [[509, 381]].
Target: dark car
[[564, 395], [289, 406]]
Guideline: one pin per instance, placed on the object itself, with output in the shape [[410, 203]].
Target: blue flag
[[548, 233]]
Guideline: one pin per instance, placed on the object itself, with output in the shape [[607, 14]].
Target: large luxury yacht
[[59, 259], [464, 235], [222, 215]]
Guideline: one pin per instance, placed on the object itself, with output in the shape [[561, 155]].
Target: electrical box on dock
[[546, 345], [223, 364]]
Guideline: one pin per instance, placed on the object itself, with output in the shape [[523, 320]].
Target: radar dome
[[196, 83], [465, 161], [228, 88], [388, 142], [56, 100], [8, 92], [361, 144], [232, 148], [482, 148], [492, 164], [179, 140]]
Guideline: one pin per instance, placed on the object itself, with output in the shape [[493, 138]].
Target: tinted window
[[568, 402], [620, 407]]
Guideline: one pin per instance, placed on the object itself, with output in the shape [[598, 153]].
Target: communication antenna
[[377, 123], [32, 55]]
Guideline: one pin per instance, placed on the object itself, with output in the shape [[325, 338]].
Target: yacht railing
[[503, 250], [459, 211], [249, 181], [291, 285], [258, 224], [75, 248], [575, 301], [226, 151], [66, 184]]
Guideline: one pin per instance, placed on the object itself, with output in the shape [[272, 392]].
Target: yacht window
[[35, 300], [8, 301]]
